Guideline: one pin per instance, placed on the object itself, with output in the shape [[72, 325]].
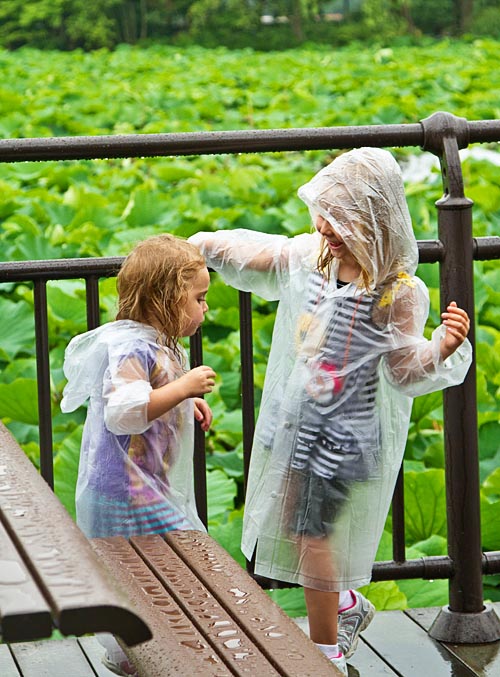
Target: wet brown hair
[[153, 283]]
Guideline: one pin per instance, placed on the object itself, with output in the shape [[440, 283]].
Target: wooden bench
[[178, 605], [50, 576]]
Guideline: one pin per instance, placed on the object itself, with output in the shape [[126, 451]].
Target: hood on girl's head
[[361, 194]]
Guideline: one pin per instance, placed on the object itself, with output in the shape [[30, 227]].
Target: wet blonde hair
[[325, 261], [361, 194], [153, 284]]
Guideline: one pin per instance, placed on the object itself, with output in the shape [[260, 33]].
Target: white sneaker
[[352, 622], [124, 668], [340, 664]]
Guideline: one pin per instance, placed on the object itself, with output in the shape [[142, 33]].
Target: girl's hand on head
[[199, 380], [202, 413], [457, 325]]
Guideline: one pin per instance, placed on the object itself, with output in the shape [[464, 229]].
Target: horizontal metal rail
[[429, 568], [240, 141], [430, 251]]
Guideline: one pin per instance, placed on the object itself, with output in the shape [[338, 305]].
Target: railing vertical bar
[[92, 297], [43, 381], [398, 520], [460, 430], [199, 460], [247, 378], [465, 619]]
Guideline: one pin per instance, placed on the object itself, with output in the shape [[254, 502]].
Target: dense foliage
[[260, 24], [97, 208]]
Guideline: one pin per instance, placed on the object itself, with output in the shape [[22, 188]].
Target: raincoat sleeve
[[414, 366], [126, 392], [247, 260]]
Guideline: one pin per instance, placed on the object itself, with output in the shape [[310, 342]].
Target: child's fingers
[[455, 316], [203, 415], [457, 333], [458, 330]]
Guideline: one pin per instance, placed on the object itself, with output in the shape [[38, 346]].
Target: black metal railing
[[466, 618]]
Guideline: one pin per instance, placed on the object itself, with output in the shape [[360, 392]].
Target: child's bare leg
[[322, 606], [322, 612]]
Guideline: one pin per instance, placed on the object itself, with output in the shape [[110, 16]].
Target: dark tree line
[[271, 24]]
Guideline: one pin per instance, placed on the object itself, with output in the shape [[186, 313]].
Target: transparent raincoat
[[135, 477], [344, 365]]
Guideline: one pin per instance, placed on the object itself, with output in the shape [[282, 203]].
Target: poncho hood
[[86, 359], [361, 194]]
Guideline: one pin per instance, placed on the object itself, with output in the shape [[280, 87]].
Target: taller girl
[[347, 357]]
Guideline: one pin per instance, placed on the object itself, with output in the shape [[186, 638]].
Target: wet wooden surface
[[207, 615], [395, 644]]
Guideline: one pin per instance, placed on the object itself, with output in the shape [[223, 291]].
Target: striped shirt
[[339, 430]]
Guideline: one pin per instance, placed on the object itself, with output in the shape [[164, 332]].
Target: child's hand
[[199, 380], [202, 413], [457, 326]]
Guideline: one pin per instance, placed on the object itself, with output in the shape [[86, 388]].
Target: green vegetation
[[100, 208], [260, 24]]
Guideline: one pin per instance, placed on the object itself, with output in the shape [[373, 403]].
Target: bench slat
[[24, 614], [278, 637], [177, 646], [203, 609], [81, 594]]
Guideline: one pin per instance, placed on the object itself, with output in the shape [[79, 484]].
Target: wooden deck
[[396, 643]]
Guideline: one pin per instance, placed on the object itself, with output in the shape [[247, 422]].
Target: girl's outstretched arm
[[251, 261], [239, 248]]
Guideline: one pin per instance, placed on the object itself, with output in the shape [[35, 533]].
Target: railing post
[[43, 382], [92, 298], [199, 460], [466, 619], [247, 380]]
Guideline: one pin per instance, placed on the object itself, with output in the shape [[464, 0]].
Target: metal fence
[[466, 619]]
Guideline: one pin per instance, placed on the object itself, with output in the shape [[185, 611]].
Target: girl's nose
[[322, 226]]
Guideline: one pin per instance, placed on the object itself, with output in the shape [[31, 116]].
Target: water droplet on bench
[[241, 655], [227, 633]]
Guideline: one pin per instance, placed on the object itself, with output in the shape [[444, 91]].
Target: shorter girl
[[136, 473]]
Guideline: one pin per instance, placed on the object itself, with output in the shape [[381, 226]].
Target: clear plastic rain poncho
[[135, 477], [344, 365]]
